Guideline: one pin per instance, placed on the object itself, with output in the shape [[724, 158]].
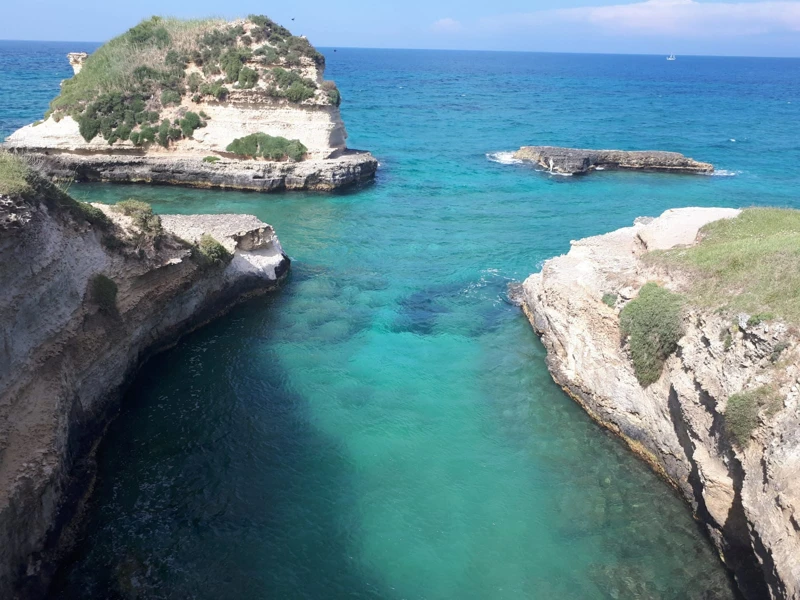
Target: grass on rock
[[142, 215], [742, 413], [14, 174], [750, 263], [212, 250]]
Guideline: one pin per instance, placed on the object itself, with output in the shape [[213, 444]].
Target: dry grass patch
[[750, 263], [14, 175]]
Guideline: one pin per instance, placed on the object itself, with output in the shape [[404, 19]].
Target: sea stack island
[[206, 103]]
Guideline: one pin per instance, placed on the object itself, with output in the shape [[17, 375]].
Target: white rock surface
[[749, 500]]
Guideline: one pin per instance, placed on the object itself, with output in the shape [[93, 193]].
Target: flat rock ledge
[[747, 499], [574, 161], [348, 168]]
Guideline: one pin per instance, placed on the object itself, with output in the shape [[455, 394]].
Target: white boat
[[671, 57]]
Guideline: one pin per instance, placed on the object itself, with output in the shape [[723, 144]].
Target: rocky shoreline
[[573, 161], [748, 498], [86, 297], [350, 167]]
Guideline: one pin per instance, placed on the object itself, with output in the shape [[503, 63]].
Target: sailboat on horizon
[[671, 57]]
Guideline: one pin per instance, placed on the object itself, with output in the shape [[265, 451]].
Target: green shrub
[[150, 32], [147, 134], [103, 292], [212, 250], [653, 325], [94, 215], [231, 62], [170, 97], [189, 123], [610, 299], [211, 159], [742, 412], [261, 145], [726, 337], [247, 78], [142, 215], [298, 92], [216, 89], [193, 82], [175, 60], [756, 320], [266, 55], [777, 350]]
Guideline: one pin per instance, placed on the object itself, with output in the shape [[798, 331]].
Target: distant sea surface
[[385, 426]]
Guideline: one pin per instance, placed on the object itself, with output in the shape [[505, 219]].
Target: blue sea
[[385, 426]]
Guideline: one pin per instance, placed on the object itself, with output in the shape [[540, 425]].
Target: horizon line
[[597, 53]]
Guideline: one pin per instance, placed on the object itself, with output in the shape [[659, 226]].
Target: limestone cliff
[[748, 498], [86, 295], [175, 92]]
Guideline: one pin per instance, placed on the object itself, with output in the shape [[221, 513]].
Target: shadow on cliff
[[738, 554]]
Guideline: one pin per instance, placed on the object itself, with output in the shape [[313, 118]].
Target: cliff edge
[[87, 293], [241, 104], [660, 332]]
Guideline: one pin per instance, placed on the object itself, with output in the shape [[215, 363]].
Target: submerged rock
[[747, 498], [86, 295], [572, 161]]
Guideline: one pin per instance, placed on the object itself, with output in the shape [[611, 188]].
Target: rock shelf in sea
[[573, 161]]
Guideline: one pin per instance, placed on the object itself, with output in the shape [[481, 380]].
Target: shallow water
[[385, 426]]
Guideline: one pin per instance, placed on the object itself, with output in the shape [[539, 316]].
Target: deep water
[[385, 426]]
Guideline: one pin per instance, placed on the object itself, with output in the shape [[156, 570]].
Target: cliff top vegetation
[[141, 85], [750, 263]]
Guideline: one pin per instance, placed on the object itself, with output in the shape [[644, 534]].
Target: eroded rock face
[[749, 500], [348, 168], [65, 356], [573, 161]]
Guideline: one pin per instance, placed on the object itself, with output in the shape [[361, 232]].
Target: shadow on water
[[218, 454]]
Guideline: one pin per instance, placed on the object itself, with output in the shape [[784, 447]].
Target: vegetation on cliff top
[[19, 178], [653, 324], [126, 87], [750, 263]]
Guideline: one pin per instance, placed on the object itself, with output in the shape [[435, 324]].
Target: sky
[[731, 27]]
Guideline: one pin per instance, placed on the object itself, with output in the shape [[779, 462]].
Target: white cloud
[[446, 25], [678, 18]]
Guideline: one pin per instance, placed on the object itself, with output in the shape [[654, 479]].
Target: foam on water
[[504, 158]]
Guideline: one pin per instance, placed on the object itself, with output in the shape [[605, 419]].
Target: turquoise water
[[385, 426]]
